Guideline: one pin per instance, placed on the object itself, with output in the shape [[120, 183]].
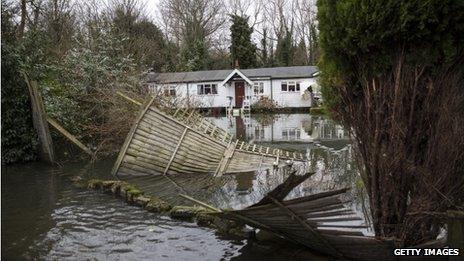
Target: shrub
[[392, 72], [264, 104]]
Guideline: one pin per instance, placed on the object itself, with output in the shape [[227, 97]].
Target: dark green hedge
[[366, 35], [19, 140]]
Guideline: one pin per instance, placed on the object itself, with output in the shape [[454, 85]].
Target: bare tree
[[189, 20], [251, 9], [59, 22], [306, 27], [22, 23]]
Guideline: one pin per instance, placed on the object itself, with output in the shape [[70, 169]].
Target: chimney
[[237, 65]]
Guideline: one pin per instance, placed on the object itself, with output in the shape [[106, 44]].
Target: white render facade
[[287, 87]]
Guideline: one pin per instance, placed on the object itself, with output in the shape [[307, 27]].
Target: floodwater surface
[[46, 217]]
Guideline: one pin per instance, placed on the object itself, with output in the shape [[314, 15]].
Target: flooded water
[[44, 216]]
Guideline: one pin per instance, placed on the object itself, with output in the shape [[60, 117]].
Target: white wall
[[283, 99], [266, 93], [208, 100], [292, 99]]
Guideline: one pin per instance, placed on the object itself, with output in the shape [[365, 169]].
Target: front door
[[239, 94]]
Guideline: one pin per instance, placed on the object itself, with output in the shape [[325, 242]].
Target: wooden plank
[[175, 151], [225, 160], [129, 98], [305, 225], [177, 111], [189, 116], [201, 203], [193, 130], [69, 136], [128, 140], [47, 152], [212, 132]]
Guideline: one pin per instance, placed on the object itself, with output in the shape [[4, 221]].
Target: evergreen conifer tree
[[242, 48]]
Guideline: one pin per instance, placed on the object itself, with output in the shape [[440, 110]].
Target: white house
[[288, 87]]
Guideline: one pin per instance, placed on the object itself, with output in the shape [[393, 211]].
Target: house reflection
[[283, 128]]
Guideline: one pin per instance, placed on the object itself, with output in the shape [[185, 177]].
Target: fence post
[[39, 118]]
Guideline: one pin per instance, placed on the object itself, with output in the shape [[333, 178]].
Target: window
[[284, 86], [291, 134], [205, 89], [259, 133], [290, 86], [258, 88], [151, 87], [285, 134], [169, 90]]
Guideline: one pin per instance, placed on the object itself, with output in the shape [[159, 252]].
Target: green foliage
[[145, 42], [242, 48], [392, 73], [78, 92], [264, 54], [195, 56], [264, 104], [368, 34], [285, 49], [318, 110], [19, 141], [300, 56]]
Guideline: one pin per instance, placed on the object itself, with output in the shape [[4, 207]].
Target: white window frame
[[258, 88], [170, 90], [296, 86], [291, 134], [201, 88]]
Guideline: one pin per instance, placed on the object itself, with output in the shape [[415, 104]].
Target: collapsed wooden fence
[[319, 222], [185, 142]]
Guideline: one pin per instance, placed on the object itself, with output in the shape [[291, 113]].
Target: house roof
[[220, 75]]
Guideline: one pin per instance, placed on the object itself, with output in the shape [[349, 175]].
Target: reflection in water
[[327, 144], [282, 128], [45, 217]]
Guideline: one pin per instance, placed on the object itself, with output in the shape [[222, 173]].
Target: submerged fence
[[185, 142]]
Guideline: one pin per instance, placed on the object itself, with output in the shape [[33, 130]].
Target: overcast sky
[[152, 7]]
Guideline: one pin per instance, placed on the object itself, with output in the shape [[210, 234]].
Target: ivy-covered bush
[[80, 92], [19, 140]]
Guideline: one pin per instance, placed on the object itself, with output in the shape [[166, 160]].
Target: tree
[[242, 49], [264, 57], [285, 49], [57, 19], [192, 24], [145, 41], [306, 27], [19, 140], [300, 56], [195, 57], [392, 72]]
